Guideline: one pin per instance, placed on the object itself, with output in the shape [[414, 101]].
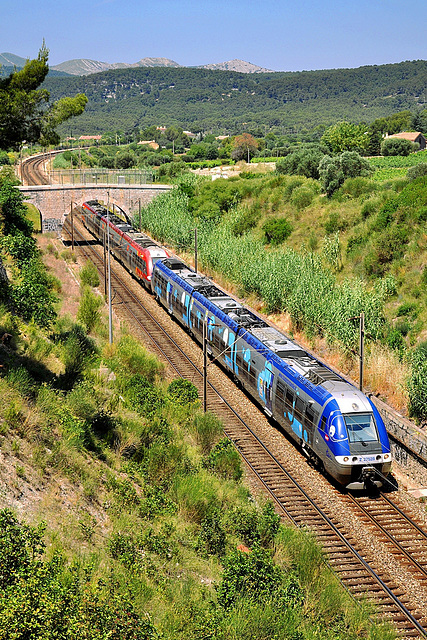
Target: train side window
[[323, 424], [299, 409], [289, 400], [280, 397], [280, 390]]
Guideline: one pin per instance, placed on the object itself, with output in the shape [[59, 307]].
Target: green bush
[[21, 379], [256, 526], [142, 396], [42, 598], [155, 502], [77, 351], [334, 223], [252, 575], [4, 158], [417, 384], [417, 170], [276, 230], [355, 242], [246, 219], [334, 171], [369, 207], [89, 309], [197, 496], [356, 187], [89, 275], [62, 160], [394, 339], [303, 162], [403, 326], [182, 392], [386, 214], [208, 428], [407, 309], [396, 147], [224, 460], [302, 197], [172, 169], [212, 537], [131, 357], [289, 184]]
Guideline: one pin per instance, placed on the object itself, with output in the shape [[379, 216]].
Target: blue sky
[[277, 34]]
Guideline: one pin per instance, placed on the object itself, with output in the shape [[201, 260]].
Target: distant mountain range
[[85, 67], [9, 62]]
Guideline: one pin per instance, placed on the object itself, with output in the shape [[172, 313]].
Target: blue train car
[[335, 424]]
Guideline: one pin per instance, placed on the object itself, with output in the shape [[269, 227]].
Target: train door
[[294, 412], [279, 401], [229, 338], [320, 443], [185, 300], [310, 421], [265, 386], [169, 304], [211, 333]]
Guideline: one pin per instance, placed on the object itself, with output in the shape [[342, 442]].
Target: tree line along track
[[355, 568]]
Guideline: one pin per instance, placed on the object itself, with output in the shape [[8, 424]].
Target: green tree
[[13, 213], [346, 136], [334, 171], [304, 162], [125, 160], [24, 114]]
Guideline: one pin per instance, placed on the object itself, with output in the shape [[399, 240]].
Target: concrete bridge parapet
[[54, 201]]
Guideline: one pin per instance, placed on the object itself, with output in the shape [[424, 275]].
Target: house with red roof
[[412, 136]]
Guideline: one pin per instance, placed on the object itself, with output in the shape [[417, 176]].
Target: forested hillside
[[201, 99]]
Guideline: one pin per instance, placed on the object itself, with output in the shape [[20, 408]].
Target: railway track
[[32, 170], [405, 538], [345, 552]]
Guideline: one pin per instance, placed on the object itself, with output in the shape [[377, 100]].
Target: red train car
[[135, 250]]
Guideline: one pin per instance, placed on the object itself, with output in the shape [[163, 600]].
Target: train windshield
[[361, 428]]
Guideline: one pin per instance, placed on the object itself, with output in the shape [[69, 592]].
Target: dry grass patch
[[387, 375]]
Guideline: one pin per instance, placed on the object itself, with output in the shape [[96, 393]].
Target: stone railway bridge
[[54, 201]]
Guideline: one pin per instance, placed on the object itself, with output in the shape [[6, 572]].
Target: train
[[335, 424], [136, 251]]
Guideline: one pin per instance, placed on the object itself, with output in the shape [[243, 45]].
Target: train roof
[[315, 375], [129, 233]]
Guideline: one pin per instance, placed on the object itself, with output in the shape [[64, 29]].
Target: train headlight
[[354, 458], [386, 456], [378, 457], [346, 459]]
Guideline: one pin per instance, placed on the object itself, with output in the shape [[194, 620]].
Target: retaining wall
[[407, 440]]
